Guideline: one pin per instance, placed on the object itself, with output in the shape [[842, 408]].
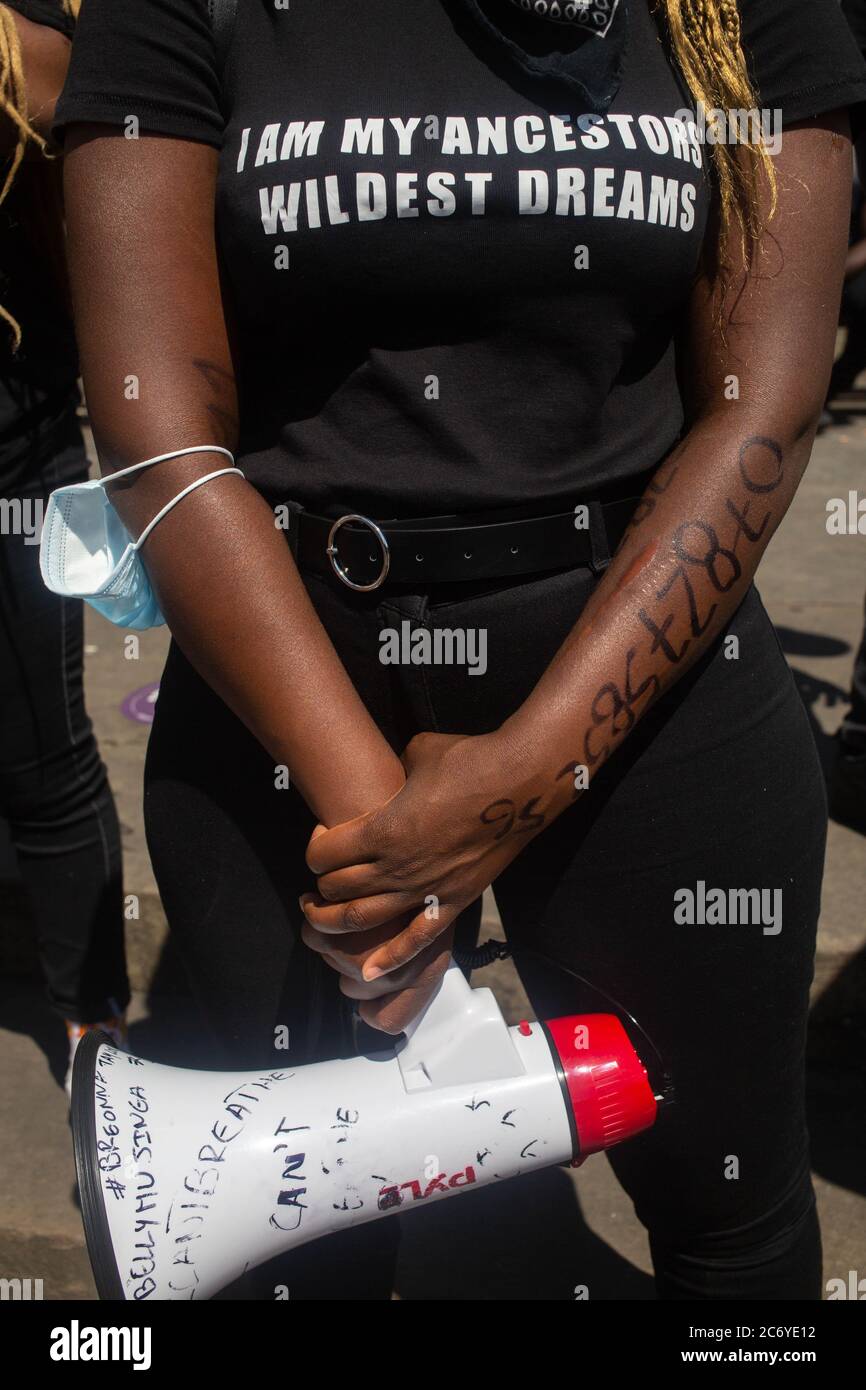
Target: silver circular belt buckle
[[331, 551]]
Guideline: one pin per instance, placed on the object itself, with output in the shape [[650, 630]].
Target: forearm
[[679, 574], [238, 609], [158, 373], [754, 395]]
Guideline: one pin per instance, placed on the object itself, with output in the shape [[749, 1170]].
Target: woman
[[53, 785], [476, 263]]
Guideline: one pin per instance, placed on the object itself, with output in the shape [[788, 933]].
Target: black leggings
[[54, 789], [720, 783]]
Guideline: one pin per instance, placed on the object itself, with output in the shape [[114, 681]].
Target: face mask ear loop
[[168, 506], [161, 458]]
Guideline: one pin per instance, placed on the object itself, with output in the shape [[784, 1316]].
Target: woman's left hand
[[422, 857]]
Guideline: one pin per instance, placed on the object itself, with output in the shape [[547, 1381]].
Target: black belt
[[364, 554]]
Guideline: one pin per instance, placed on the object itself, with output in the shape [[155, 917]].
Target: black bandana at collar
[[592, 36], [595, 15]]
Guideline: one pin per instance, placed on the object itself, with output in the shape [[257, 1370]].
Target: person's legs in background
[[848, 777], [54, 788], [852, 361]]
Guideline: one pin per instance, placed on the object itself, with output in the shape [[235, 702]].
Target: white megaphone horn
[[187, 1178]]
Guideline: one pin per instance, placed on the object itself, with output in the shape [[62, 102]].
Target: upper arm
[[155, 354], [780, 320], [141, 124]]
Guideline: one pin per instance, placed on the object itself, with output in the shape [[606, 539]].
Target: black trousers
[[54, 788], [720, 783], [854, 723], [852, 360]]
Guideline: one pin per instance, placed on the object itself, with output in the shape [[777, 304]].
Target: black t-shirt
[[452, 289], [855, 13], [38, 382]]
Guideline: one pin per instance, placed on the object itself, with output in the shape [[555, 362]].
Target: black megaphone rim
[[83, 1118]]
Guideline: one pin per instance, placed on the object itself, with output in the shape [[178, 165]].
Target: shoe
[[115, 1027], [847, 790]]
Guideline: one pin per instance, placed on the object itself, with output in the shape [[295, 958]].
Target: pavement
[[561, 1229]]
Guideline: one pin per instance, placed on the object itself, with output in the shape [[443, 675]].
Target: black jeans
[[852, 360], [720, 783], [54, 789], [854, 723]]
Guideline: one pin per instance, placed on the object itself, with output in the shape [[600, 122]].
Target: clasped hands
[[392, 883]]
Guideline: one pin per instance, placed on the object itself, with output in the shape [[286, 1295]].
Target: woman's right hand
[[392, 1001]]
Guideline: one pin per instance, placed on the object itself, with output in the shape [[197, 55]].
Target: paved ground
[[566, 1229]]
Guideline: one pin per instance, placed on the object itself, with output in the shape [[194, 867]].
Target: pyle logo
[[854, 1287], [76, 1343], [393, 1196]]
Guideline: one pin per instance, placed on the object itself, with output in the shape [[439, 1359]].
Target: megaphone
[[187, 1178]]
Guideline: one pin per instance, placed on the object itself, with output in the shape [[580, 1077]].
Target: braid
[[730, 17], [706, 40], [13, 103]]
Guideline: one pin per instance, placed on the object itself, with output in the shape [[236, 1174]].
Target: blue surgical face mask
[[86, 551]]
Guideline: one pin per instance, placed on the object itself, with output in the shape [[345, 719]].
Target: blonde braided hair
[[13, 102], [706, 41]]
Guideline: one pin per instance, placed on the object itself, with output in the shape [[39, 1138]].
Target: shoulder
[[52, 14], [802, 56], [154, 59]]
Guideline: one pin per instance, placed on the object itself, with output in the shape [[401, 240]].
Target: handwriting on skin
[[696, 547]]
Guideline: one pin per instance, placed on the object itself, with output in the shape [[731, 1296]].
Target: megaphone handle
[[454, 999], [450, 997]]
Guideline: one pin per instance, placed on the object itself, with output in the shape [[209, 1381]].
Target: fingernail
[[372, 972]]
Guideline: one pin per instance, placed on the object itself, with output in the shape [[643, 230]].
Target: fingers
[[348, 951], [349, 843], [359, 915], [397, 981], [357, 881], [401, 948], [386, 941], [392, 1012]]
